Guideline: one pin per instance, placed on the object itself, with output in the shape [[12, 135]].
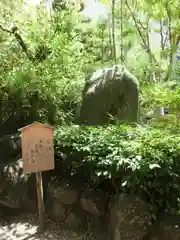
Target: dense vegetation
[[137, 160], [44, 61]]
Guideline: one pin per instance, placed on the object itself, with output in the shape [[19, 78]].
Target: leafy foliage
[[43, 81], [143, 161], [61, 49]]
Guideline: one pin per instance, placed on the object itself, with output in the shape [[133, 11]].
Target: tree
[[43, 67]]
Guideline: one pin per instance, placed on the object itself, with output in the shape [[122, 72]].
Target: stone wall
[[77, 207], [81, 207], [121, 217]]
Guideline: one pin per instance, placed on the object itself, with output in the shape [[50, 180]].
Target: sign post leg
[[40, 200]]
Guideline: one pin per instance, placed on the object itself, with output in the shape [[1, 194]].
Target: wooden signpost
[[38, 156]]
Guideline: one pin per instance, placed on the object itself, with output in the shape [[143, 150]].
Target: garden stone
[[18, 190], [129, 218], [76, 220], [63, 192], [109, 93], [57, 212], [168, 228], [10, 148], [94, 202]]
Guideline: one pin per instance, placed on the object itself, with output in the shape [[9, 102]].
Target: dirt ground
[[25, 227]]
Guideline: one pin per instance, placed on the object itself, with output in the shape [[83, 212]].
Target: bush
[[137, 160], [46, 86]]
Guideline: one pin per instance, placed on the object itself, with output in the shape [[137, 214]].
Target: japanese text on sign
[[37, 149]]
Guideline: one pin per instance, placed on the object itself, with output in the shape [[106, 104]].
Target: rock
[[63, 192], [18, 189], [169, 228], [95, 222], [76, 220], [109, 93], [94, 202], [57, 212], [10, 148], [129, 218], [29, 205]]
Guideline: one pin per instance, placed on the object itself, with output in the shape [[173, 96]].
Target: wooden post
[[38, 156], [39, 185]]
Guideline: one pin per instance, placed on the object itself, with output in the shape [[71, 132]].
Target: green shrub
[[44, 84], [137, 160]]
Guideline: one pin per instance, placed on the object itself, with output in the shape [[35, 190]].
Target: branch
[[5, 30], [23, 45], [113, 31], [19, 40], [122, 43], [165, 39], [137, 26], [140, 23], [161, 33], [145, 40], [170, 32], [173, 46]]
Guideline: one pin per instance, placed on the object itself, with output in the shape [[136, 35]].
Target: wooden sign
[[37, 147], [38, 156]]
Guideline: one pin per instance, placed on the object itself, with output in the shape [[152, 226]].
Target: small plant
[[137, 160]]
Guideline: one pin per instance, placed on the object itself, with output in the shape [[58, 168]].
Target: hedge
[[134, 159]]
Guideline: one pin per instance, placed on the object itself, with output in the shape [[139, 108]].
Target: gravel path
[[25, 228]]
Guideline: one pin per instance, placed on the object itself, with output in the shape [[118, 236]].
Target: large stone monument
[[109, 93]]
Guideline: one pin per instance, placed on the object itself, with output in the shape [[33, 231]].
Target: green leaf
[[152, 166], [124, 184]]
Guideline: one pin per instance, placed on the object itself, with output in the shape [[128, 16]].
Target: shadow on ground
[[25, 227]]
